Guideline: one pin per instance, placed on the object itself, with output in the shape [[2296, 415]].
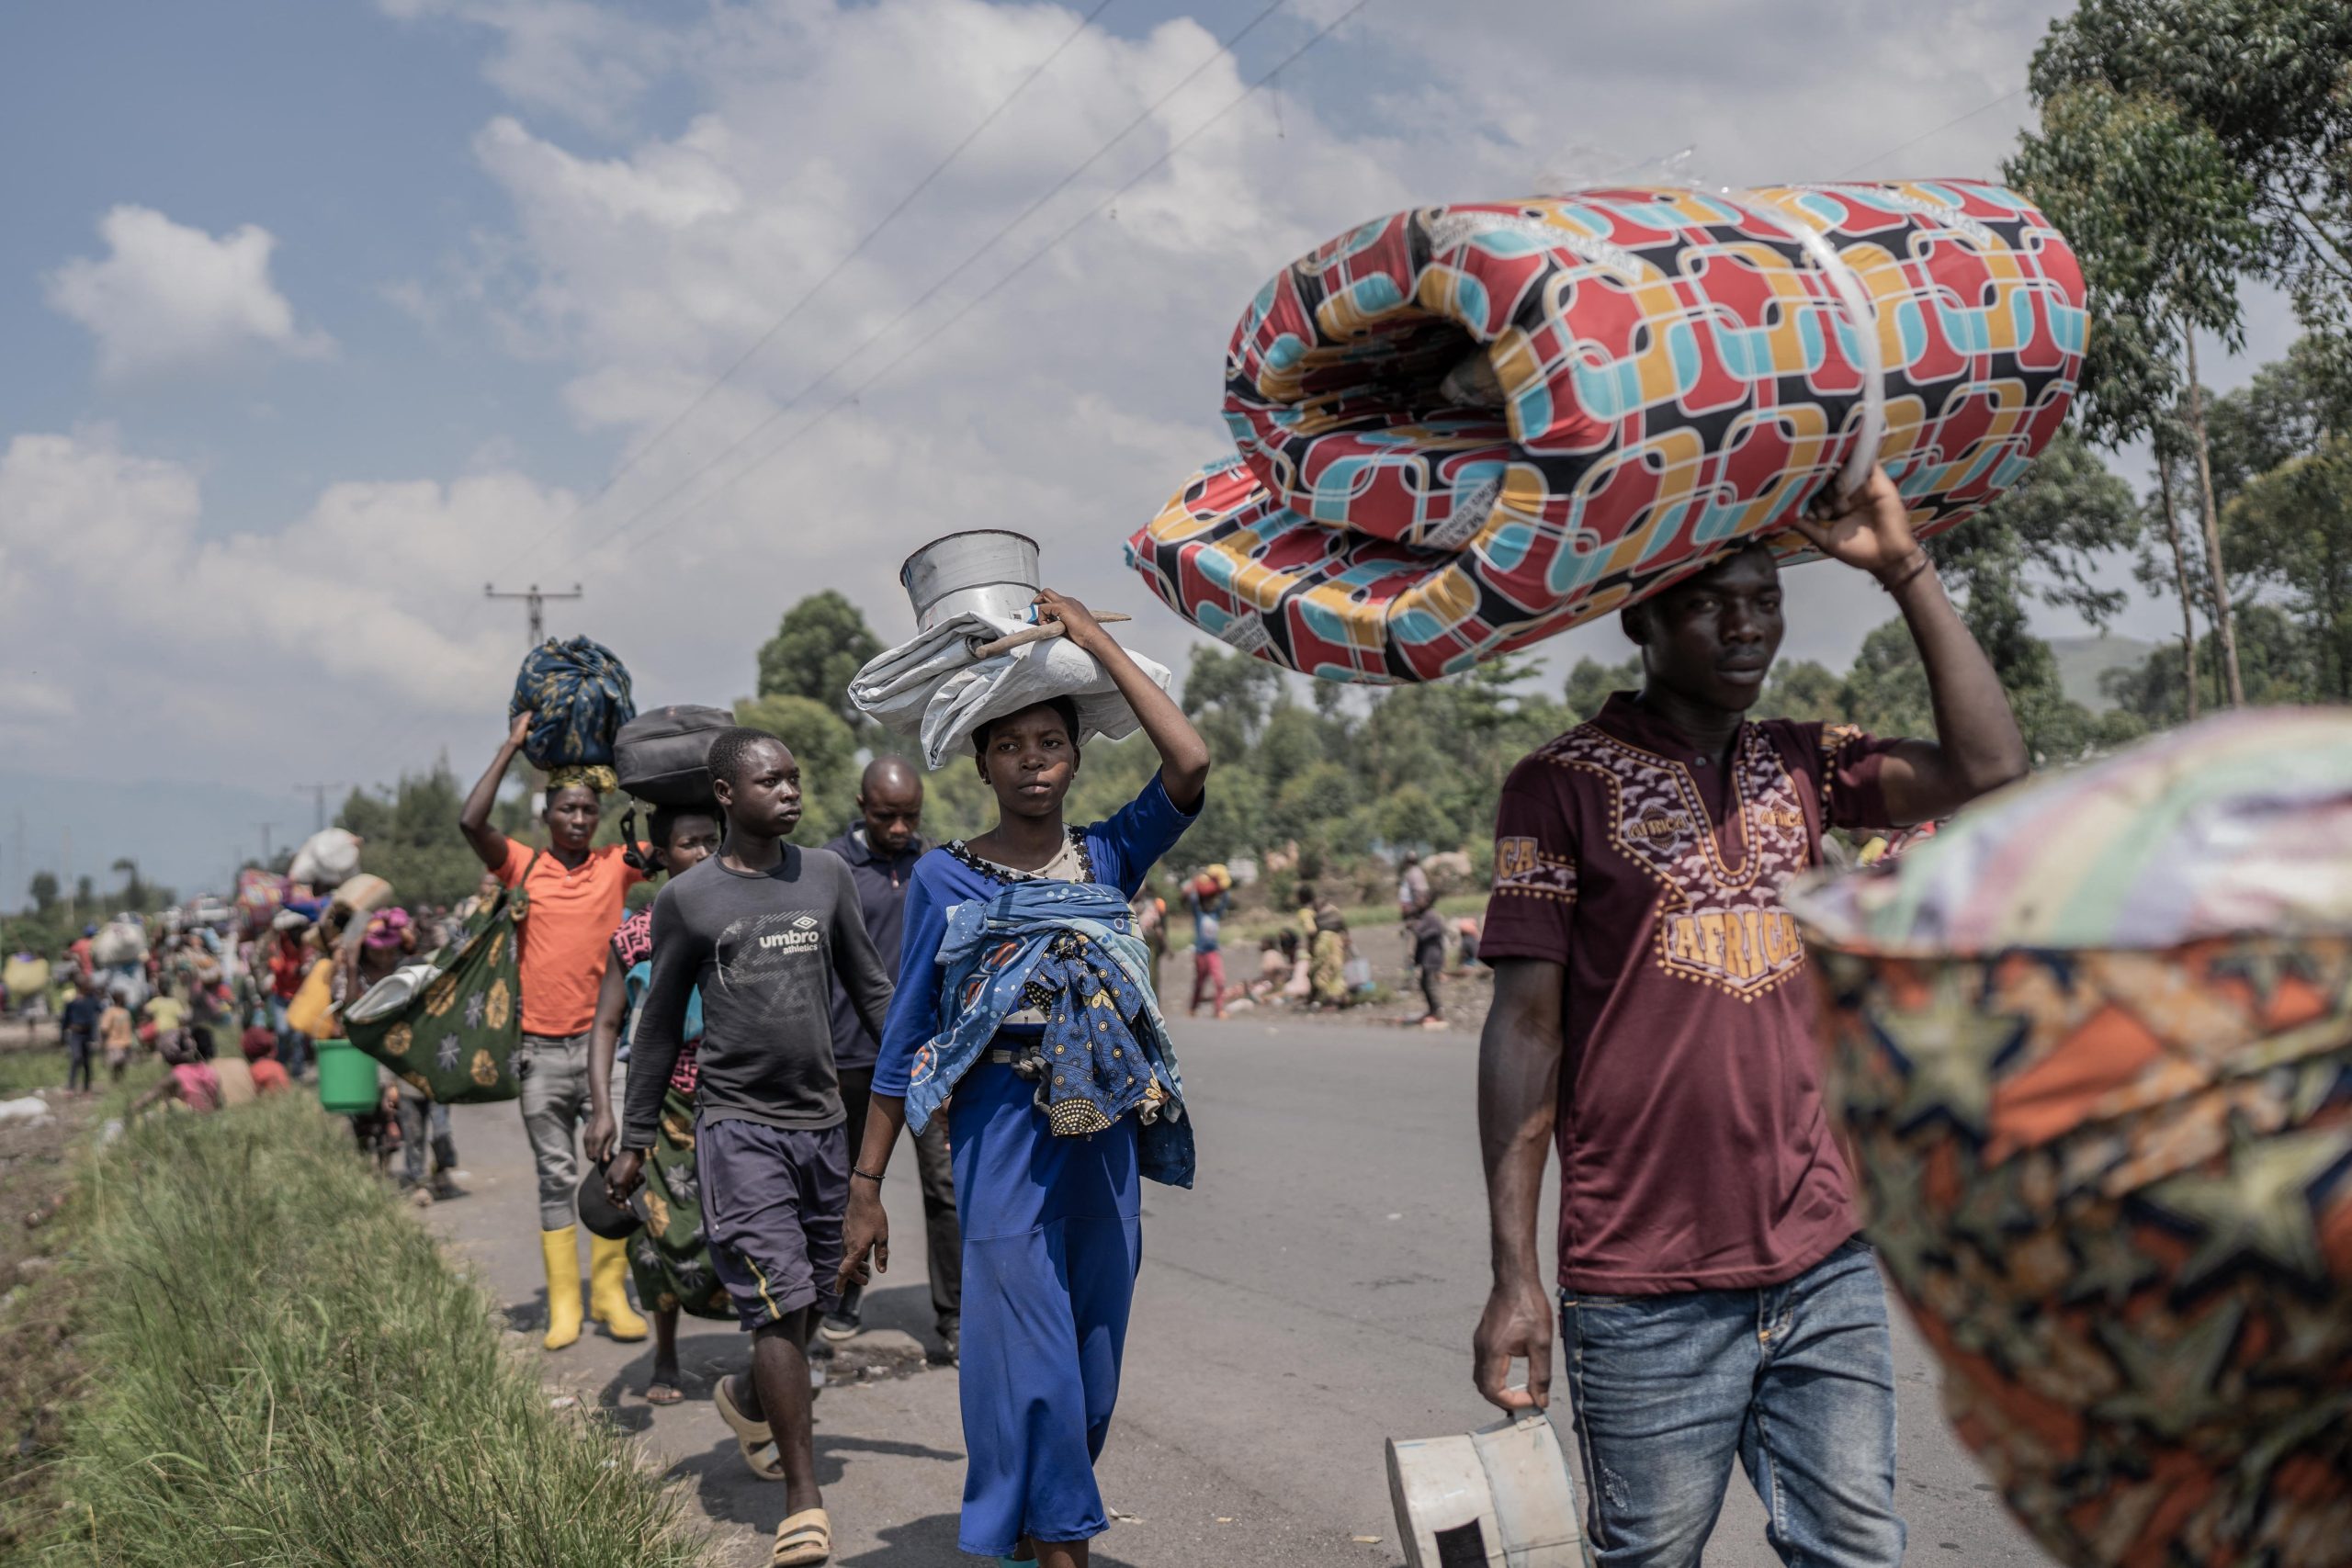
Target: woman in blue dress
[[1024, 989]]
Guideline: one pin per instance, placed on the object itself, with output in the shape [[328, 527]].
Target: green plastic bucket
[[347, 1077]]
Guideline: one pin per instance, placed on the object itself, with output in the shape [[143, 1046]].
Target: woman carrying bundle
[[1024, 989]]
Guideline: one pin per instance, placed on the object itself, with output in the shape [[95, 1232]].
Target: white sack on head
[[934, 690], [325, 857]]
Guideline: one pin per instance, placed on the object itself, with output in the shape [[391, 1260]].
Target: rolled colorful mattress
[[2091, 1048], [1465, 428]]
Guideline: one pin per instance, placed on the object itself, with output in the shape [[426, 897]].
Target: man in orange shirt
[[575, 896]]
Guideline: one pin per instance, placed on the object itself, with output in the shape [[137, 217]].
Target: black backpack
[[663, 756]]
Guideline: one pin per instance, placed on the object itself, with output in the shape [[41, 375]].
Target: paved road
[[1314, 1295]]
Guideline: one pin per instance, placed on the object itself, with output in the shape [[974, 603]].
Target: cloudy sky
[[320, 316]]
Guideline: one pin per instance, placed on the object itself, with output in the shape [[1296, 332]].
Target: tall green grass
[[285, 1372]]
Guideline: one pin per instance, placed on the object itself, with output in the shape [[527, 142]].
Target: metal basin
[[989, 571]]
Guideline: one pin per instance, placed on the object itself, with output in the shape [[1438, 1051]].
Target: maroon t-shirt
[[1693, 1151]]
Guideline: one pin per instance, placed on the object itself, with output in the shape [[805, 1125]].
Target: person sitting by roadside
[[1324, 930], [1276, 959], [259, 1048], [1466, 935], [236, 1076], [191, 1082]]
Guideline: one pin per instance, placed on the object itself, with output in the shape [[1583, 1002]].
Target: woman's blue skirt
[[1052, 1239]]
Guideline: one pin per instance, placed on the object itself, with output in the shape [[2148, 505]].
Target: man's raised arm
[[1977, 746]]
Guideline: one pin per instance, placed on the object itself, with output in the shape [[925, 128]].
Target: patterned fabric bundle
[[1462, 429], [668, 1258], [2094, 1062], [449, 1025], [578, 695], [259, 897]]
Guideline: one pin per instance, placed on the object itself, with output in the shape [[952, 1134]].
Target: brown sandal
[[664, 1393], [805, 1539]]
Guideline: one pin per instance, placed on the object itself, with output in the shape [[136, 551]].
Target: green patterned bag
[[448, 1026]]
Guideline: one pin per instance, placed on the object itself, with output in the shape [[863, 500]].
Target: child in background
[[117, 1035]]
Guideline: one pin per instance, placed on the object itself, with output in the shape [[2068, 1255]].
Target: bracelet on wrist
[[869, 1176], [1920, 562]]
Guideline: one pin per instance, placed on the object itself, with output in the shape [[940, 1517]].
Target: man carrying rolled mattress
[[1654, 1016]]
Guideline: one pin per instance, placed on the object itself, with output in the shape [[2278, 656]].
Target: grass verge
[[283, 1372]]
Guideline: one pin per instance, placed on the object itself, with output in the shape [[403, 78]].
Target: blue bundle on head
[[578, 693]]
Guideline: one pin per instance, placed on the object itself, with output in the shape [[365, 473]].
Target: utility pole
[[318, 794], [267, 829], [535, 603]]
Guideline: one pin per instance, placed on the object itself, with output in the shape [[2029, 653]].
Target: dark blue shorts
[[771, 1204]]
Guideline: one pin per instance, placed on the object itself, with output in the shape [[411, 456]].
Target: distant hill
[[2083, 659]]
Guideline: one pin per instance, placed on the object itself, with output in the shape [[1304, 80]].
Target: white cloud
[[1070, 405], [168, 299], [1075, 400], [361, 612], [591, 63], [642, 264]]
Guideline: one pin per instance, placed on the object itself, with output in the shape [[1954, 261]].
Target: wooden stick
[[1028, 634]]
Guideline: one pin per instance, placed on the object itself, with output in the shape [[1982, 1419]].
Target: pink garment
[[198, 1085], [385, 928]]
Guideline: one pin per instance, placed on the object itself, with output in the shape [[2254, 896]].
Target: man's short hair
[[728, 748], [1065, 706]]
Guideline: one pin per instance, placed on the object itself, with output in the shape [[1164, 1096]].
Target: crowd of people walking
[[739, 1061]]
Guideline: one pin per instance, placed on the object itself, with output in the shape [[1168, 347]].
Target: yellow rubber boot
[[562, 1250], [608, 1289]]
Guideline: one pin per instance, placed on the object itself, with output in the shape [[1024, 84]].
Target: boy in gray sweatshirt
[[762, 928]]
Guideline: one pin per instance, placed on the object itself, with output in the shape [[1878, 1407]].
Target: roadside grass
[[29, 1069], [283, 1372]]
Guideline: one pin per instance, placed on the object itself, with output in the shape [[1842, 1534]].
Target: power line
[[952, 273], [1223, 49], [1956, 120], [810, 293], [989, 293]]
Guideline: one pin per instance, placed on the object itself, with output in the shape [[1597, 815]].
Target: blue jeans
[[1796, 1380]]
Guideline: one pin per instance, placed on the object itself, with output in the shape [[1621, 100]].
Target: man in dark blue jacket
[[881, 850]]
